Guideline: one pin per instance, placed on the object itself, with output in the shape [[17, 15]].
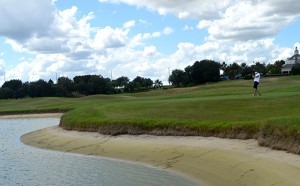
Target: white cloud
[[129, 24], [110, 38], [147, 62], [234, 20], [20, 20], [251, 20], [168, 31], [201, 9], [150, 51], [22, 71], [71, 46], [139, 38]]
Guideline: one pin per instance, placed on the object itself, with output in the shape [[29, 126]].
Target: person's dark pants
[[255, 84]]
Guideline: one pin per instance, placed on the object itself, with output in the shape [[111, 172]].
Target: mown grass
[[224, 109]]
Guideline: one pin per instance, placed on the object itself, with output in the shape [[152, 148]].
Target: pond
[[25, 165]]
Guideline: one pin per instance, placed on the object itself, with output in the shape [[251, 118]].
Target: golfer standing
[[256, 82]]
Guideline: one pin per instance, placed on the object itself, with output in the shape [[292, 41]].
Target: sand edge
[[209, 160]]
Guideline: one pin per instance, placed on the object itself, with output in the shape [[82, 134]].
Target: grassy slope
[[224, 109]]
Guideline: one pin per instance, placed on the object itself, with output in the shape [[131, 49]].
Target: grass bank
[[225, 109]]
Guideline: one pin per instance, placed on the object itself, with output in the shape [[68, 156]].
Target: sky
[[47, 39]]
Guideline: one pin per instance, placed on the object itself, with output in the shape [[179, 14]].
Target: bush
[[296, 69]]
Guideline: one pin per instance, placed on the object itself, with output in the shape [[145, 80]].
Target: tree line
[[209, 71], [198, 73], [80, 86]]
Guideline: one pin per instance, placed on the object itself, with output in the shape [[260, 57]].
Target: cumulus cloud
[[228, 19], [20, 20], [251, 20], [139, 39], [73, 48], [201, 9], [67, 45], [150, 51], [110, 38], [70, 47], [66, 34]]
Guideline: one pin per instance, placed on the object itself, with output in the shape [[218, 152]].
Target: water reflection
[[25, 165]]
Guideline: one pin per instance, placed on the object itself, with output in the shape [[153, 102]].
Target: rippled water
[[24, 165]]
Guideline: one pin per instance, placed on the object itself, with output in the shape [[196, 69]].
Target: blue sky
[[40, 39]]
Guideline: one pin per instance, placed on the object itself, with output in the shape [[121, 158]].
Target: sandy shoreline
[[44, 115], [210, 160]]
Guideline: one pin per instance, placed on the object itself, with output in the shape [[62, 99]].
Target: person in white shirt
[[256, 82]]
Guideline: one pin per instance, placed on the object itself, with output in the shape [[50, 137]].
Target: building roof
[[295, 57], [290, 62], [288, 66]]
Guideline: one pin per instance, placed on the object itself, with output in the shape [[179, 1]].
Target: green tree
[[137, 83], [40, 88], [296, 69], [205, 71], [232, 70], [6, 93], [147, 83], [275, 68], [99, 85], [121, 81], [14, 85], [141, 83], [81, 84], [81, 87], [187, 78], [260, 67], [65, 86], [94, 85], [129, 87], [177, 76], [247, 71], [158, 84]]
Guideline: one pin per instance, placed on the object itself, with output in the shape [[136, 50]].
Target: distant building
[[290, 62]]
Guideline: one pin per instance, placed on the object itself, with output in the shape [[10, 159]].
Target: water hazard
[[24, 165]]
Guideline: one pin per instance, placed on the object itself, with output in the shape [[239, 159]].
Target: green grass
[[223, 109]]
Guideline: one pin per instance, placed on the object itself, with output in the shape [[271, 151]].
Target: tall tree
[[276, 67], [260, 67], [246, 70], [65, 86], [158, 84], [176, 77], [40, 88], [232, 70], [15, 86], [99, 85], [121, 81], [141, 83], [205, 71], [6, 93], [296, 69]]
